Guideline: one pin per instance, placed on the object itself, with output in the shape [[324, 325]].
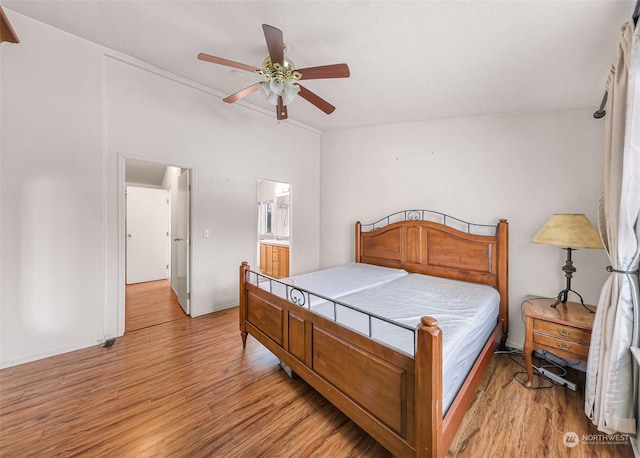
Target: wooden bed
[[395, 398]]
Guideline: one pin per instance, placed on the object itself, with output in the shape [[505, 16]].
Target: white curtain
[[611, 390]]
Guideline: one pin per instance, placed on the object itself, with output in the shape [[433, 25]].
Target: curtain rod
[[600, 113]]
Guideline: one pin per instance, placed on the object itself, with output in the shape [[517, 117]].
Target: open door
[[181, 243]]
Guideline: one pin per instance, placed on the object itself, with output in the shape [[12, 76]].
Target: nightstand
[[564, 331]]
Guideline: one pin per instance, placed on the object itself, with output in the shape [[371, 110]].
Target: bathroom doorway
[[273, 223]]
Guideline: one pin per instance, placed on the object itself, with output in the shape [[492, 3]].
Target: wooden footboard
[[374, 385]]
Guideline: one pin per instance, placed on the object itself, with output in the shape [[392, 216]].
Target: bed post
[[244, 268], [428, 387], [503, 277], [357, 241]]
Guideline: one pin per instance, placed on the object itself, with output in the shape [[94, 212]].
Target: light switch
[[206, 233]]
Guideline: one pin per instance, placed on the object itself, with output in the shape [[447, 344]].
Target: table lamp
[[570, 231]]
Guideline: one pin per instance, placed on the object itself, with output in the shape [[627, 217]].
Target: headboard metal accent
[[433, 216]]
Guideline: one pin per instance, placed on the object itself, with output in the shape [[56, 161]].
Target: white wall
[[52, 194], [70, 115], [522, 167]]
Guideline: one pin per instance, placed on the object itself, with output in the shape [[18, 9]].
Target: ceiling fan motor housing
[[280, 81]]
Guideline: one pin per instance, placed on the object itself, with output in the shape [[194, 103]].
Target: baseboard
[[48, 354], [513, 345], [221, 307], [215, 308]]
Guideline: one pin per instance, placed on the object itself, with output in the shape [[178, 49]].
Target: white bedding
[[336, 282], [466, 312]]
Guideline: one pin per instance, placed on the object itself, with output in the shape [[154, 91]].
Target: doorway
[[273, 223], [161, 292]]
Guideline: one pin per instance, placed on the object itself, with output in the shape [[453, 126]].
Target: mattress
[[466, 312], [332, 283]]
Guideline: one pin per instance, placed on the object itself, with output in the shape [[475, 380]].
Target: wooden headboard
[[407, 240]]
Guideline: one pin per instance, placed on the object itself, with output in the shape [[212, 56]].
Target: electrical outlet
[[225, 291]]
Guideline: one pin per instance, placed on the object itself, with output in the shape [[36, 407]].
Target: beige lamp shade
[[569, 230]]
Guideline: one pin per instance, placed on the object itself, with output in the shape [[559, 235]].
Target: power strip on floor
[[556, 378]]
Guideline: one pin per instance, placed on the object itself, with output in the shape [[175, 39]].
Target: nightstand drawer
[[562, 331], [562, 344]]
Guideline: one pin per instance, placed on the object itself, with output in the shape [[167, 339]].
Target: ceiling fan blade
[[275, 43], [281, 109], [241, 94], [316, 100], [325, 71], [227, 62]]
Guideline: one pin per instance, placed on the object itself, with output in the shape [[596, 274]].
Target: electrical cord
[[535, 374], [552, 365], [518, 352], [530, 298], [563, 362]]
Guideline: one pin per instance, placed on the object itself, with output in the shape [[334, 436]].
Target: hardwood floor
[[187, 388], [150, 303]]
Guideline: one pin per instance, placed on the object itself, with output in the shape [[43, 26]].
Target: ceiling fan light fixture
[[289, 92], [276, 85], [269, 95]]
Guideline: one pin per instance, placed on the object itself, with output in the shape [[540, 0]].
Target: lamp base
[[562, 297], [568, 270]]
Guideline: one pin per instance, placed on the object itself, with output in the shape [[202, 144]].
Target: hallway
[[150, 303]]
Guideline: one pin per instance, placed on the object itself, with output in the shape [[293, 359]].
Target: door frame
[[121, 234]]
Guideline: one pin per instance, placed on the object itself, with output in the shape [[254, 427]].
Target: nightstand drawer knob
[[564, 332], [563, 346]]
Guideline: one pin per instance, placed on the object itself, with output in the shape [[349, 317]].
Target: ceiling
[[409, 61], [144, 172]]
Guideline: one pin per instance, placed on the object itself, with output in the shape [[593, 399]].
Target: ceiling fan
[[281, 85]]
